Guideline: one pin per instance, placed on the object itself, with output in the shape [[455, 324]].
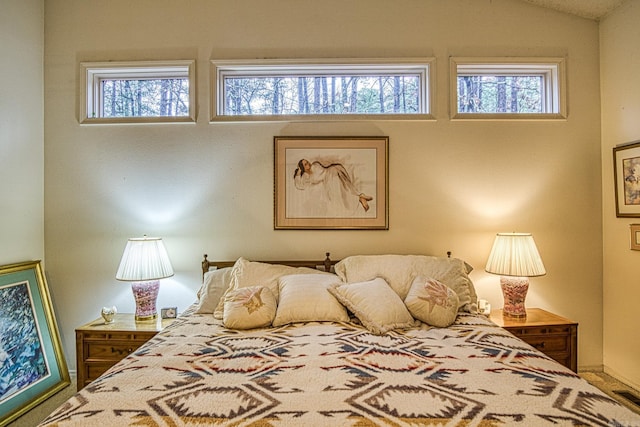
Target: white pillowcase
[[249, 308], [432, 302], [214, 285], [400, 270], [246, 273], [375, 304], [305, 298]]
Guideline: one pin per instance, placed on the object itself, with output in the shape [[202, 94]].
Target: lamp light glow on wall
[[144, 262], [515, 257]]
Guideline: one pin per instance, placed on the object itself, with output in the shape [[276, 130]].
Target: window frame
[[551, 69], [92, 73], [295, 67]]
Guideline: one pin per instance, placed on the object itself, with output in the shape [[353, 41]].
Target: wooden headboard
[[327, 263]]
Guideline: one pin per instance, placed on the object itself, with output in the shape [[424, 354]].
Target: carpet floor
[[610, 386], [40, 412]]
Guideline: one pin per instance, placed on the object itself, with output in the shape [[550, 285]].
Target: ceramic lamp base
[[146, 294], [514, 291]]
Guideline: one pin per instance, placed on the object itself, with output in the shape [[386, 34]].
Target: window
[[138, 92], [302, 90], [508, 88]]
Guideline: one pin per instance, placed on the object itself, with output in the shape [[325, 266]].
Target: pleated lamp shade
[[144, 259], [144, 262], [515, 257], [515, 254]]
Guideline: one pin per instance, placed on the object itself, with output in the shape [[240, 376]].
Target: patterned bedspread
[[336, 374]]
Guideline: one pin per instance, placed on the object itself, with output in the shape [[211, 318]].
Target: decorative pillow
[[246, 273], [400, 270], [304, 298], [375, 304], [214, 285], [249, 308], [432, 302]]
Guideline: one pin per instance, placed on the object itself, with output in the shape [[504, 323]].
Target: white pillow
[[305, 298], [375, 304], [400, 270], [432, 302], [214, 285], [249, 308], [246, 273]]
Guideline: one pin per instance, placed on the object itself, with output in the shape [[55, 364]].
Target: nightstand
[[99, 346], [553, 335]]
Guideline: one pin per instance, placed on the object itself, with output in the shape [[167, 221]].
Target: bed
[[381, 340]]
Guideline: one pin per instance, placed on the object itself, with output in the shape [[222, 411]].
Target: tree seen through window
[[500, 94], [322, 94], [145, 97]]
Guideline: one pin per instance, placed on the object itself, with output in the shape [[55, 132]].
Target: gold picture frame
[[331, 182], [34, 367], [634, 241], [626, 171]]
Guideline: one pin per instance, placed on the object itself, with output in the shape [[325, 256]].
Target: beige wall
[[21, 131], [209, 188], [620, 88]]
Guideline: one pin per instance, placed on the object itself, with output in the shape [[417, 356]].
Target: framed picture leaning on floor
[[32, 364]]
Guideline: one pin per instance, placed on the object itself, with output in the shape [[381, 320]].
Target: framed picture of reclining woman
[[331, 182]]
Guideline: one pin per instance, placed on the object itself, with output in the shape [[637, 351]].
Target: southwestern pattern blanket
[[196, 372]]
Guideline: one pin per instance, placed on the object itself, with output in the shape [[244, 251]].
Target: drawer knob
[[121, 351], [539, 345]]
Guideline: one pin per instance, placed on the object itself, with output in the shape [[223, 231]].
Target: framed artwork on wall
[[331, 183], [626, 170], [33, 366], [635, 237]]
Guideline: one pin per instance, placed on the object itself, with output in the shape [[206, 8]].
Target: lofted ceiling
[[591, 9]]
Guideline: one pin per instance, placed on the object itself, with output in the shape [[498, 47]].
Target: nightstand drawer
[[94, 370], [546, 330], [110, 350], [546, 343], [562, 358], [141, 336]]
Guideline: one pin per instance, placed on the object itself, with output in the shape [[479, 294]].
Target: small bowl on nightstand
[[108, 314]]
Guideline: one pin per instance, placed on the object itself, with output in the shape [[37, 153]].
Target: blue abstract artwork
[[22, 356]]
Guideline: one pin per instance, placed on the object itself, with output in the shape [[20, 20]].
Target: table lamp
[[144, 263], [515, 257]]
